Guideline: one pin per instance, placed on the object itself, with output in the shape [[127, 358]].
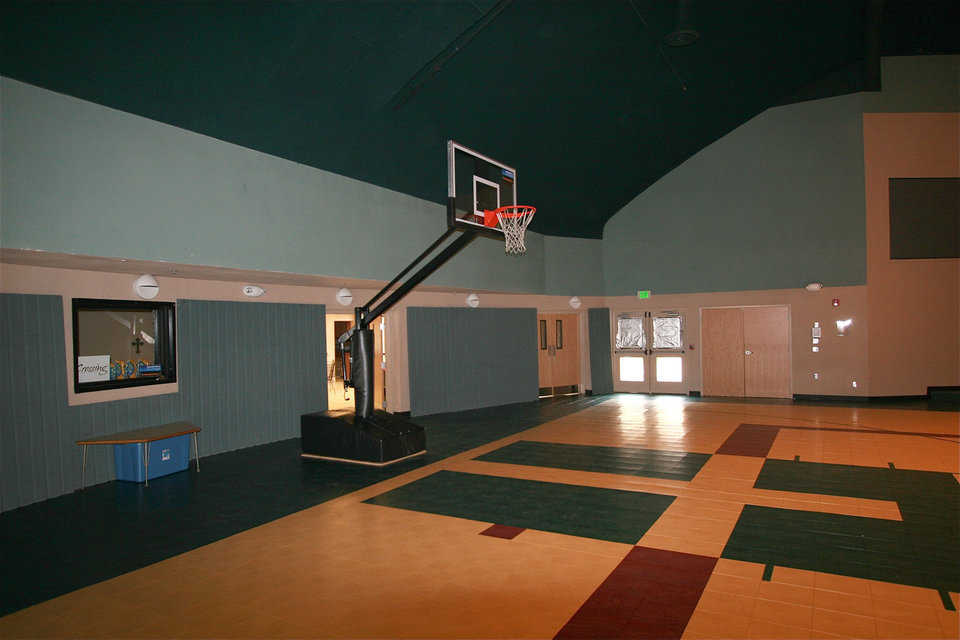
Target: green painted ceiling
[[582, 97]]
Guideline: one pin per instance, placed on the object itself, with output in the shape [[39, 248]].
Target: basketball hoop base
[[340, 436]]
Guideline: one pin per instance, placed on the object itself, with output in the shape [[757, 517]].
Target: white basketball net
[[513, 222]]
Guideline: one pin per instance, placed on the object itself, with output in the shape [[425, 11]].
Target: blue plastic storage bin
[[166, 456]]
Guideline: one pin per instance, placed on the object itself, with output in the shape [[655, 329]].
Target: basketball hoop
[[513, 221]]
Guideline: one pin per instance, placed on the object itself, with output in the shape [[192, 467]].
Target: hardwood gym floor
[[622, 516]]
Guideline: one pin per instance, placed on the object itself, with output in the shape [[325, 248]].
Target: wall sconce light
[[814, 286], [575, 302], [473, 301], [253, 291], [345, 296], [146, 287]]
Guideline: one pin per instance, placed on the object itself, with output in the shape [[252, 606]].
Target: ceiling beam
[[435, 65]]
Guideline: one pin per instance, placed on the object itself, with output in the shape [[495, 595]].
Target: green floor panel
[[628, 461], [588, 512], [875, 483], [921, 550], [880, 554]]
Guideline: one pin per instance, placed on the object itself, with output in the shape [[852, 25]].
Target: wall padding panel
[[601, 366], [246, 373], [469, 358]]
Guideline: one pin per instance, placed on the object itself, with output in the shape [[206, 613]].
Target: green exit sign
[[643, 295]]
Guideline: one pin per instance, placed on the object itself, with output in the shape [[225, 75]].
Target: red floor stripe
[[651, 594], [752, 440], [502, 531]]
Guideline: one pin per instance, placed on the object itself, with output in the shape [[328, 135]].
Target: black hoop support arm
[[365, 315]]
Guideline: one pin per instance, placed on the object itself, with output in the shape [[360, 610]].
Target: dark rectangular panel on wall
[[601, 367], [33, 400], [247, 372], [924, 218], [468, 358]]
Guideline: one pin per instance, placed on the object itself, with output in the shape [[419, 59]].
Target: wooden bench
[[142, 436]]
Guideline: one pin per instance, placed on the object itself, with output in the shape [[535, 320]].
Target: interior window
[[123, 343]]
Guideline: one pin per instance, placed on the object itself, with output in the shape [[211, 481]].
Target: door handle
[[748, 352], [552, 350]]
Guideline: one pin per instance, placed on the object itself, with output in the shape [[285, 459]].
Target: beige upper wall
[[913, 305], [78, 283], [906, 320], [840, 361]]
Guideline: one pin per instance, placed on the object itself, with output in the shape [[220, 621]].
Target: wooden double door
[[559, 352], [746, 352]]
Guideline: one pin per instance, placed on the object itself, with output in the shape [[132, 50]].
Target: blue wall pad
[[471, 358], [601, 367], [247, 372]]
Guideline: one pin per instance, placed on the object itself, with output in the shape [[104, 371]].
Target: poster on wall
[[93, 368]]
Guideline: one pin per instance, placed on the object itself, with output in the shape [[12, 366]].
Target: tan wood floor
[[349, 569]]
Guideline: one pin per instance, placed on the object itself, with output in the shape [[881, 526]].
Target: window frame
[[632, 315], [166, 347]]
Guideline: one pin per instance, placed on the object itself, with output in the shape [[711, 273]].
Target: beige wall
[[912, 304], [398, 383], [841, 360], [864, 354], [78, 283]]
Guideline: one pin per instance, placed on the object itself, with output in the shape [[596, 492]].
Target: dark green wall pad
[[588, 512], [626, 461], [246, 374], [470, 358], [921, 550], [601, 367]]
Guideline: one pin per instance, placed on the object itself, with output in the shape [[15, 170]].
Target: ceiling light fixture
[[146, 287], [253, 291], [345, 296], [684, 35]]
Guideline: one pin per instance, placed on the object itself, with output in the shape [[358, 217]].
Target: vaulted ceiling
[[588, 99]]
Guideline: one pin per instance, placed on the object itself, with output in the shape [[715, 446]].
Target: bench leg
[[196, 449]]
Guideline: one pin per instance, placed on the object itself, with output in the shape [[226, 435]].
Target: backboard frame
[[510, 197]]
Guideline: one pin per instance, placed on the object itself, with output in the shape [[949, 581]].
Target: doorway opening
[[649, 356], [746, 351], [338, 395], [558, 353]]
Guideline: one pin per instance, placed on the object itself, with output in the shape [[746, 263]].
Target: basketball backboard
[[476, 183]]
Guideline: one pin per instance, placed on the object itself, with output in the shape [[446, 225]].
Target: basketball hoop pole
[[377, 437], [361, 336]]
